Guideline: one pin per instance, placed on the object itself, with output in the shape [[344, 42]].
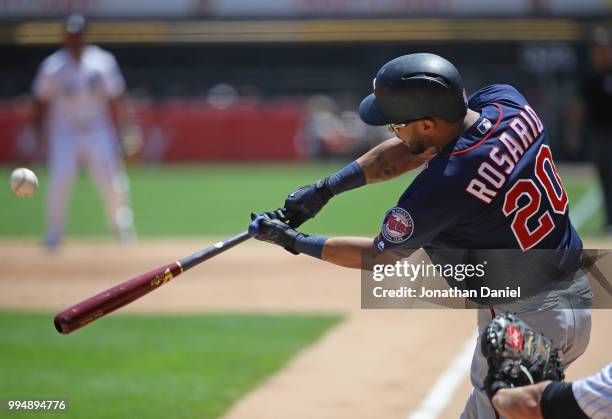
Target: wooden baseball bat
[[106, 302]]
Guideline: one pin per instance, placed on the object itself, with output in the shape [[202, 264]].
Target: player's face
[[413, 136], [74, 42]]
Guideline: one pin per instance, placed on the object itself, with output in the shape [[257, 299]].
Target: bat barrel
[[106, 302]]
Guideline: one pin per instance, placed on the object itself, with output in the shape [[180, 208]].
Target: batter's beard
[[417, 146]]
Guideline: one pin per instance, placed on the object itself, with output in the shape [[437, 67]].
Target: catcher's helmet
[[415, 86]]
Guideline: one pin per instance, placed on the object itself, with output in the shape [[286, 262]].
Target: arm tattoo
[[383, 170]]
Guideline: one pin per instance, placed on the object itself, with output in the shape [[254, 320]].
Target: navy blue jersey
[[493, 187]]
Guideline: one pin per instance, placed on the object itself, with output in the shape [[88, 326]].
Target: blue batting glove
[[254, 228]]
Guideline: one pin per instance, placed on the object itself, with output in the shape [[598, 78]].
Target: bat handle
[[214, 250]]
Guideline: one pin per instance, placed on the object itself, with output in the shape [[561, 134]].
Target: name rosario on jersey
[[524, 130]]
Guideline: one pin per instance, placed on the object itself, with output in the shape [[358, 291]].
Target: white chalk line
[[441, 393], [586, 207]]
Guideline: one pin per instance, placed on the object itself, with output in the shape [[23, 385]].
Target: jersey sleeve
[[114, 82], [435, 201], [44, 86], [594, 394]]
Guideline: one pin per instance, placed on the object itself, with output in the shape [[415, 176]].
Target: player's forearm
[[520, 402], [120, 112], [347, 251], [544, 400], [342, 251], [130, 135], [385, 161], [389, 159]]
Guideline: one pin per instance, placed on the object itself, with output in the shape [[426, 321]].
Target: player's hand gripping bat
[[106, 302]]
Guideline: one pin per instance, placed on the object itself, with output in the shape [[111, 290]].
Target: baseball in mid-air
[[24, 182]]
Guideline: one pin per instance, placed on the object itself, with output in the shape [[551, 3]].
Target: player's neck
[[458, 128], [470, 118], [76, 53]]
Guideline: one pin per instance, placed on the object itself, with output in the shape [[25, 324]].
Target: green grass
[[575, 189], [206, 200], [130, 366], [217, 200]]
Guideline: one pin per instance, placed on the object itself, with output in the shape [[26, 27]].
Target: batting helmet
[[412, 87]]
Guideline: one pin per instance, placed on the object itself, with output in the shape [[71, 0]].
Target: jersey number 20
[[550, 184]]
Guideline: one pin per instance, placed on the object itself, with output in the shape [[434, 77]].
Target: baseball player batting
[[490, 183], [78, 91]]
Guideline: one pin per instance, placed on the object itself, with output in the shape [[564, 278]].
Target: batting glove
[[273, 230]]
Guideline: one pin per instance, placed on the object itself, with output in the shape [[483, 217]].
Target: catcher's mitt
[[517, 355]]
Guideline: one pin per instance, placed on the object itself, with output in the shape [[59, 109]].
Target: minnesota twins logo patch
[[398, 225]]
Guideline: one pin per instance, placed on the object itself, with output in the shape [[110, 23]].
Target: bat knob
[[60, 325]]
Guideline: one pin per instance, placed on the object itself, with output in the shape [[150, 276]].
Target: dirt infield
[[250, 278], [374, 364]]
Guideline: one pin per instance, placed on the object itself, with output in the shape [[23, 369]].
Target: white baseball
[[24, 182]]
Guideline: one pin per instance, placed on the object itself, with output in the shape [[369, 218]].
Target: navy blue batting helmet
[[412, 87]]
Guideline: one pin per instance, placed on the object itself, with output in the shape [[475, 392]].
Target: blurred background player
[[80, 106], [591, 115]]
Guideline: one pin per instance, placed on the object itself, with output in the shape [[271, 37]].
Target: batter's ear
[[426, 125]]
